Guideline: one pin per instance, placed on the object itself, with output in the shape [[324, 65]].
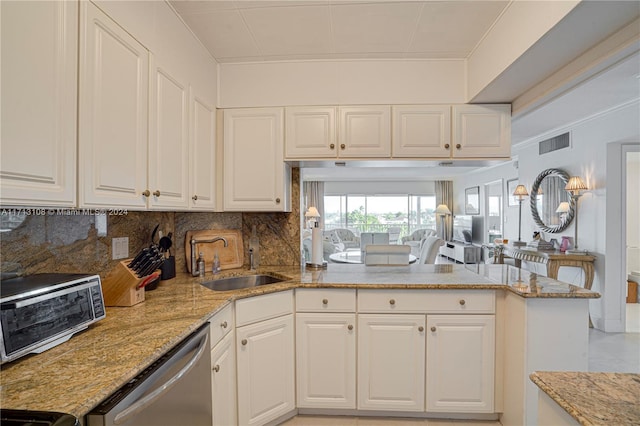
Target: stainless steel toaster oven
[[38, 312]]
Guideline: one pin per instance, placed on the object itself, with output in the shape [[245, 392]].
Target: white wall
[[599, 208], [342, 83], [633, 207]]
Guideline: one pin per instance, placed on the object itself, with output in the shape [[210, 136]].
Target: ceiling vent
[[553, 144]]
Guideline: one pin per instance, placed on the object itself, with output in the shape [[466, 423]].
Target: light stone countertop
[[77, 375], [593, 398]]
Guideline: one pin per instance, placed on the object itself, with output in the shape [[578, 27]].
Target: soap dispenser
[[254, 248], [201, 264]]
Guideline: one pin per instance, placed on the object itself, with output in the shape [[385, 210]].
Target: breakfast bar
[[97, 362]]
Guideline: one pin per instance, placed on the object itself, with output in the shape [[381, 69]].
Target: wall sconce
[[574, 186], [442, 210], [520, 192]]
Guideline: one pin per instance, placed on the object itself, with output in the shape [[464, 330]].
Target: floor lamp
[[442, 210], [520, 192], [574, 186]]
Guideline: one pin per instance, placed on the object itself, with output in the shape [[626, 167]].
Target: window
[[379, 213]]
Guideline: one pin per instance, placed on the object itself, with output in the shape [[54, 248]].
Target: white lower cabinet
[[460, 363], [265, 370], [391, 362], [223, 370], [326, 360]]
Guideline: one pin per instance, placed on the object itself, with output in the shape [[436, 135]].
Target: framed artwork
[[512, 200], [472, 200]]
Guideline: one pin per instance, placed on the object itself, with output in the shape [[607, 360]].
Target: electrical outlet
[[120, 248]]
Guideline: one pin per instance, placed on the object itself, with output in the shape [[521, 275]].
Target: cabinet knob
[[458, 146], [156, 193], [350, 327], [194, 198], [244, 342], [421, 329], [446, 146], [392, 302], [462, 302], [342, 146], [325, 301], [332, 146], [223, 325], [277, 200], [216, 368], [146, 193], [433, 329]]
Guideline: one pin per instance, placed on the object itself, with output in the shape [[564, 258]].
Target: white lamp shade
[[443, 209], [312, 212], [563, 207]]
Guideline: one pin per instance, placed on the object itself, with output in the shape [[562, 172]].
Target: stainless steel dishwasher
[[174, 390]]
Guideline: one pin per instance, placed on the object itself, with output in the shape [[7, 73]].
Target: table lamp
[[520, 192], [574, 186], [317, 254], [442, 210]]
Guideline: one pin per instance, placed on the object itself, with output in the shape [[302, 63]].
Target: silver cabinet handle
[[223, 325], [462, 302], [244, 342], [421, 329], [392, 302], [433, 329], [277, 200], [325, 301], [350, 327], [216, 368]]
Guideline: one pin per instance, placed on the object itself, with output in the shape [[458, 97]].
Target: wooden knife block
[[121, 286]]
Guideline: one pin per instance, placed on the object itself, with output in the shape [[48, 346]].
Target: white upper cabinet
[[364, 131], [421, 131], [481, 131], [39, 91], [310, 132], [114, 76], [203, 153], [168, 138], [255, 175]]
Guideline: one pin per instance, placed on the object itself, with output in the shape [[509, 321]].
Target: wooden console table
[[553, 259]]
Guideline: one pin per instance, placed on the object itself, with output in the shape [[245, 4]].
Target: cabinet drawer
[[325, 300], [260, 308], [221, 324], [427, 301]]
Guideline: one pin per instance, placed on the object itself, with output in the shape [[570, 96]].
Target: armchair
[[416, 239], [347, 237]]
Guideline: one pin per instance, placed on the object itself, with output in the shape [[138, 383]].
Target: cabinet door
[[391, 362], [310, 132], [223, 370], [460, 363], [481, 131], [421, 131], [39, 87], [255, 175], [168, 138], [365, 132], [266, 362], [114, 82], [203, 154], [326, 360]]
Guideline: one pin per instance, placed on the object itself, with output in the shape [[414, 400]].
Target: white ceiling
[[246, 30], [238, 31]]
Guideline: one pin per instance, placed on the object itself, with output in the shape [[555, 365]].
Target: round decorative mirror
[[547, 198]]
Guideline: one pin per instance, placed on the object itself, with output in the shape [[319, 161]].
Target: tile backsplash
[[70, 243]]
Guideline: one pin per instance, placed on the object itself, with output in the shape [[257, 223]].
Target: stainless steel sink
[[236, 283]]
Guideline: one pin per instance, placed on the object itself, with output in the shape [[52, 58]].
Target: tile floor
[[611, 352]]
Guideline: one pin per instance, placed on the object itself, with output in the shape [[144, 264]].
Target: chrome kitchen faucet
[[193, 242]]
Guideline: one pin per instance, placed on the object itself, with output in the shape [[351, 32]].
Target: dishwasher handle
[[134, 409]]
